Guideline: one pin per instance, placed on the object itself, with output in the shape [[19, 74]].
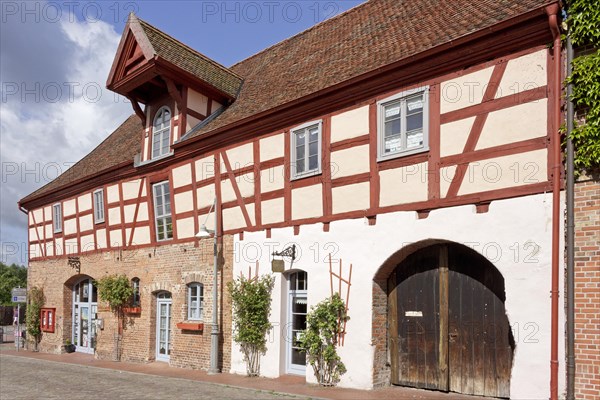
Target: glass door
[[163, 327], [297, 308], [85, 307]]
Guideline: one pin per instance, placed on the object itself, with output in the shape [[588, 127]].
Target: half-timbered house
[[407, 150]]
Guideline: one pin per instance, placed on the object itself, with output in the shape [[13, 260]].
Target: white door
[[296, 322], [85, 307], [163, 327]]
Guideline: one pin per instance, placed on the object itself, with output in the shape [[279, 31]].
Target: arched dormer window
[[161, 132]]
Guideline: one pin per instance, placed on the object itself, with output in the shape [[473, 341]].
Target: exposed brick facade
[[587, 289], [165, 268]]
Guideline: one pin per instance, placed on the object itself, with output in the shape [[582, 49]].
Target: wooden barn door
[[448, 327]]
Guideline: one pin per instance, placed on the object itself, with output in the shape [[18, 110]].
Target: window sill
[[306, 175], [394, 156], [190, 326], [152, 160]]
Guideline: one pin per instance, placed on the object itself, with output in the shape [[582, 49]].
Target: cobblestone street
[[26, 378]]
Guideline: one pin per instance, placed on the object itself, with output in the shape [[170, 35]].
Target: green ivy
[[584, 22], [35, 303], [251, 300], [584, 28], [324, 323]]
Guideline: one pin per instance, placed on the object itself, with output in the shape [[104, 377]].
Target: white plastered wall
[[515, 235]]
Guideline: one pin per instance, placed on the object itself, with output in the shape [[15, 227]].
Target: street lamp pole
[[214, 338], [214, 334]]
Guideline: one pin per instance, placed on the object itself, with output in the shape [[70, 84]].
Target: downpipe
[[552, 12]]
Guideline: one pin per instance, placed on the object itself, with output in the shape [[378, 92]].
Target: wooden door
[[415, 346], [480, 340], [448, 326]]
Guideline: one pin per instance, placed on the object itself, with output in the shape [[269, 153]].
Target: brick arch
[[156, 287], [380, 292], [193, 277]]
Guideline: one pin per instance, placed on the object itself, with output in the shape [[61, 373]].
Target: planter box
[[132, 310], [191, 326]]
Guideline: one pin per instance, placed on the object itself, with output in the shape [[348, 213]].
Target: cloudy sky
[[54, 61]]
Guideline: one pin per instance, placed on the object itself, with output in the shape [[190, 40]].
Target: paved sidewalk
[[291, 385]]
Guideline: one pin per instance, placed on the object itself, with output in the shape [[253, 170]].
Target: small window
[[135, 285], [403, 124], [195, 301], [161, 133], [299, 281], [57, 213], [306, 150], [99, 206], [162, 211]]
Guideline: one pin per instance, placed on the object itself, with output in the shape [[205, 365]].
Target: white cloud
[[73, 113]]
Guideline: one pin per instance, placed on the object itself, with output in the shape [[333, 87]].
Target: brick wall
[[587, 289], [164, 268]]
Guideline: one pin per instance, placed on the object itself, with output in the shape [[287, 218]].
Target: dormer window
[[161, 132]]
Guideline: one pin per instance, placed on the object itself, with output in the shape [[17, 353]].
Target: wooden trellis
[[348, 283], [250, 277]]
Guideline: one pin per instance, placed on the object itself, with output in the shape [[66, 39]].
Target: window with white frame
[[195, 301], [57, 217], [162, 211], [135, 286], [403, 124], [161, 133], [99, 206], [306, 150]]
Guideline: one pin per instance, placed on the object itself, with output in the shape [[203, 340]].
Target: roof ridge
[[353, 9], [196, 52]]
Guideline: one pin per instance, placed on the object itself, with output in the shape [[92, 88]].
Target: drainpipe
[[552, 11], [570, 234]]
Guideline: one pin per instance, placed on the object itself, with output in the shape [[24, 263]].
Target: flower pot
[[69, 348]]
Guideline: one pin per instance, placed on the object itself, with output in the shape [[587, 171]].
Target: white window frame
[[293, 132], [162, 151], [199, 298], [57, 218], [162, 213], [402, 96], [98, 206]]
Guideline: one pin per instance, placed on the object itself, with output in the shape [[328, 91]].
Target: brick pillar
[[587, 289]]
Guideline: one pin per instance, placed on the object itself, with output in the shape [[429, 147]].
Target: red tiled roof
[[365, 38]]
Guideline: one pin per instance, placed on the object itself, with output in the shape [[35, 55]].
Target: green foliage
[[251, 309], [584, 29], [35, 299], [115, 290], [586, 96], [11, 276], [584, 22], [323, 326]]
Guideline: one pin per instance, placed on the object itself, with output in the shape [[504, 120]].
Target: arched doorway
[[448, 328], [85, 307], [163, 326]]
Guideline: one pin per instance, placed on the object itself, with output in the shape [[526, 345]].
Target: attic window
[[161, 132]]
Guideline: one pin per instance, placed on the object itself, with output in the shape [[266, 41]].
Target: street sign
[[19, 295]]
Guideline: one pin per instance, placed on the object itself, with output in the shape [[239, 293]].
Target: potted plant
[[69, 347]]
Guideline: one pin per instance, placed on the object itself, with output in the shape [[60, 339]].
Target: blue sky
[[54, 61]]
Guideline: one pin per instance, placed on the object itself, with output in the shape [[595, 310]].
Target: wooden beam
[[138, 110], [174, 93]]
